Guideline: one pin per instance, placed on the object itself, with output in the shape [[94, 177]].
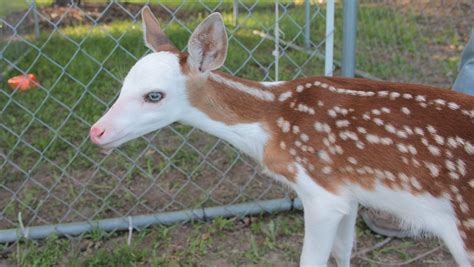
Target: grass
[[250, 241], [52, 174]]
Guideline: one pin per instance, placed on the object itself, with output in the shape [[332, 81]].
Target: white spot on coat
[[434, 150], [361, 130], [283, 97], [304, 137], [390, 128], [415, 183], [326, 170], [378, 121], [433, 168], [405, 110], [471, 183], [292, 151], [342, 123], [352, 160], [420, 98], [373, 139], [322, 127], [299, 88], [296, 129], [461, 167], [402, 148], [453, 106], [394, 95], [469, 148], [324, 156], [419, 131]]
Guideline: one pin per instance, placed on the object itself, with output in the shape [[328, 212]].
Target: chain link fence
[[50, 172], [413, 41]]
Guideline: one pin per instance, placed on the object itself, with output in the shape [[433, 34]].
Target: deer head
[[153, 94]]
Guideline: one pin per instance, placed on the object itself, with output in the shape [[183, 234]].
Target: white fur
[[270, 84], [131, 116], [418, 212], [329, 221], [256, 92], [421, 214], [248, 137], [323, 213]]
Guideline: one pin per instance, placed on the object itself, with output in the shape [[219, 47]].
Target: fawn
[[403, 148]]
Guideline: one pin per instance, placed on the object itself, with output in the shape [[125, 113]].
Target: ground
[[272, 240], [52, 174]]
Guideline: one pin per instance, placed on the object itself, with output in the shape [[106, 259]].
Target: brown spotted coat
[[409, 137]]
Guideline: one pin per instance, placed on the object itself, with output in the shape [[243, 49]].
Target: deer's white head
[[154, 92]]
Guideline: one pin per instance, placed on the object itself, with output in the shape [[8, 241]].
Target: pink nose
[[95, 134]]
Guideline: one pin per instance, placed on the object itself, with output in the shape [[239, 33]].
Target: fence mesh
[[52, 174], [413, 41], [80, 53]]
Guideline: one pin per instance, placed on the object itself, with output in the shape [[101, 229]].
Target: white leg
[[320, 225], [323, 212], [342, 248]]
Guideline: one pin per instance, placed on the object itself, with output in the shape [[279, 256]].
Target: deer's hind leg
[[342, 248]]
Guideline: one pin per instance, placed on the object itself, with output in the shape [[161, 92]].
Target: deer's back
[[409, 137]]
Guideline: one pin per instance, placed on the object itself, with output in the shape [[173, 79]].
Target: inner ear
[[155, 38], [207, 46]]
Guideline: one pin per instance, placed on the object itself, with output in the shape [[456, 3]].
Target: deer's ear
[[155, 38], [207, 46]]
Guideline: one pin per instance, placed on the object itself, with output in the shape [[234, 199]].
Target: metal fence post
[[349, 38], [236, 12], [276, 52], [35, 18], [307, 24], [329, 48]]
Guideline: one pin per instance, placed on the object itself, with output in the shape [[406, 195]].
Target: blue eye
[[154, 97]]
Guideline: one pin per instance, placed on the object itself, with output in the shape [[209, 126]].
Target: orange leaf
[[23, 82]]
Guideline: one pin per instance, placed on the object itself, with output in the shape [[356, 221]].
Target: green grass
[[250, 241], [12, 6]]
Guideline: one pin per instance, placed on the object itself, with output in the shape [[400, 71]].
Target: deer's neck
[[233, 109]]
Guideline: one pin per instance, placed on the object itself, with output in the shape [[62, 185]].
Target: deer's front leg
[[321, 225], [342, 248], [323, 211]]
